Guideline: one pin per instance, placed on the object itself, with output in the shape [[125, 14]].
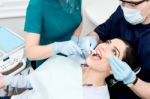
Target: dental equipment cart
[[11, 52]]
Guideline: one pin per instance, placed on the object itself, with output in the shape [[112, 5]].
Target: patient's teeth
[[93, 51]]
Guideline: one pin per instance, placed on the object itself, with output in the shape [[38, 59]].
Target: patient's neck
[[93, 77], [147, 20]]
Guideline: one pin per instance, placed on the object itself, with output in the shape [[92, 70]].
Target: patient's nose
[[105, 47]]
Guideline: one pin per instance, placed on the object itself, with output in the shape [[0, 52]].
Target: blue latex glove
[[121, 70], [75, 39], [88, 43], [66, 47]]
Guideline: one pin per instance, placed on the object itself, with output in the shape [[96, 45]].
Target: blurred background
[[12, 14]]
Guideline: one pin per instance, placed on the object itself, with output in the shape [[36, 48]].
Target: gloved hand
[[75, 39], [121, 70], [88, 43], [66, 47]]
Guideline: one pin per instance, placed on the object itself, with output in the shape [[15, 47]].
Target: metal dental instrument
[[85, 51], [83, 54]]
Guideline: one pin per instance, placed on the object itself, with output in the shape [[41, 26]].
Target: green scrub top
[[52, 20]]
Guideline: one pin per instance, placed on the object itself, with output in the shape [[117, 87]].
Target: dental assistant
[[48, 23], [131, 21]]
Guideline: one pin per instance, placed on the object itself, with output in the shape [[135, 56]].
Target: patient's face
[[99, 61]]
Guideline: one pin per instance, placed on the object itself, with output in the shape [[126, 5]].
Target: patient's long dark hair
[[131, 56]]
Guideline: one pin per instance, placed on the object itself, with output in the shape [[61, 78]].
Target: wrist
[[130, 79], [133, 83], [75, 38], [93, 37], [55, 47]]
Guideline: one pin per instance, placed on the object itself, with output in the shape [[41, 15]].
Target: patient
[[93, 73]]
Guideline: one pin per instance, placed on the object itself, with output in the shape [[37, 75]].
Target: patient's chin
[[89, 61], [92, 62]]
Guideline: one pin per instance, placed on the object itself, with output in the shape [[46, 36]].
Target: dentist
[[131, 21], [48, 23]]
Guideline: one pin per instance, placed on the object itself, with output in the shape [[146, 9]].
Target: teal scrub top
[[52, 20]]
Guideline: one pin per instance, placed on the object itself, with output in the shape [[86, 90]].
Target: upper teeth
[[94, 51], [97, 53]]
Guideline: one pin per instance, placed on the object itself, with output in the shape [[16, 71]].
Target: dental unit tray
[[11, 52]]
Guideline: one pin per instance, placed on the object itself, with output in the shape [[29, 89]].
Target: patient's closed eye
[[114, 52]]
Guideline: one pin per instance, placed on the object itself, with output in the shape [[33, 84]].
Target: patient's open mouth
[[97, 54]]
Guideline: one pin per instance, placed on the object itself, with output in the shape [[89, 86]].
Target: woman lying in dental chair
[[63, 78]]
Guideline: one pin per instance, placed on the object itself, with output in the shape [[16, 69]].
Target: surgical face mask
[[133, 16]]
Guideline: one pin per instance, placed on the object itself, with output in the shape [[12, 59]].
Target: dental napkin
[[57, 78]]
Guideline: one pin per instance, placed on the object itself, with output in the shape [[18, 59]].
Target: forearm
[[37, 52], [78, 31], [18, 81], [33, 49], [142, 89]]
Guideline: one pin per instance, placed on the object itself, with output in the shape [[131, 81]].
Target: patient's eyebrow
[[109, 41]]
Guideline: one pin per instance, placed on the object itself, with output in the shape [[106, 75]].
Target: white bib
[[57, 78]]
